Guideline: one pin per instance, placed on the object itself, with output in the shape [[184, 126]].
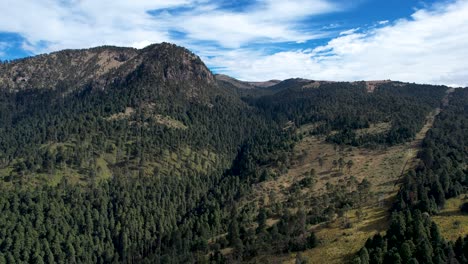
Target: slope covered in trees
[[343, 108], [412, 236], [121, 155]]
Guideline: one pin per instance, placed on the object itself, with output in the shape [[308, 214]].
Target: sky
[[422, 41]]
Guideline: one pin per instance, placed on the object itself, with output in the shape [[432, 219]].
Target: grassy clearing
[[451, 221], [338, 244], [381, 167], [124, 115], [375, 129], [160, 119], [103, 170], [309, 127], [169, 122]]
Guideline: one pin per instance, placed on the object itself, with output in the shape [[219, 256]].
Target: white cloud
[[84, 23], [349, 31], [264, 21], [431, 47]]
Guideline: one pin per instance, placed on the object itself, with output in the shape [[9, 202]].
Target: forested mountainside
[[412, 236], [116, 155]]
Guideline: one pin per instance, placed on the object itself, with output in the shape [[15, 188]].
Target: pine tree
[[233, 234], [405, 252], [312, 240], [364, 256], [261, 220]]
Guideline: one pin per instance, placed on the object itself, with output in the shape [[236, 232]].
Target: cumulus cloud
[[50, 25], [430, 47]]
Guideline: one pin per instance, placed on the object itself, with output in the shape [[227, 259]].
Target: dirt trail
[[413, 147]]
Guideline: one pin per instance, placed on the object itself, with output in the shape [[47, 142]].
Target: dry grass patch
[[338, 245], [374, 129], [124, 115], [451, 221], [381, 167], [169, 122]]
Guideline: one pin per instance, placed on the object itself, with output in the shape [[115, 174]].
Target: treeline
[[346, 107], [412, 237]]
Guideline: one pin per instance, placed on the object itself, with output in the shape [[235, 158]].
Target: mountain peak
[[176, 63], [102, 66]]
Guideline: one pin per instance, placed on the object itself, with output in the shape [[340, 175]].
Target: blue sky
[[408, 40]]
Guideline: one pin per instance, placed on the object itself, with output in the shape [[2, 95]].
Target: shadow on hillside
[[378, 223], [452, 213]]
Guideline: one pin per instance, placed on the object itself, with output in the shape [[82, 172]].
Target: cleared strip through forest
[[339, 244], [413, 148]]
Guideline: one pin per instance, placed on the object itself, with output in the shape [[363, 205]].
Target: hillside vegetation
[[412, 236], [113, 155], [347, 190]]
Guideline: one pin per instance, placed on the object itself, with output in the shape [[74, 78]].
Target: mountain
[[120, 155], [106, 67], [79, 94]]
